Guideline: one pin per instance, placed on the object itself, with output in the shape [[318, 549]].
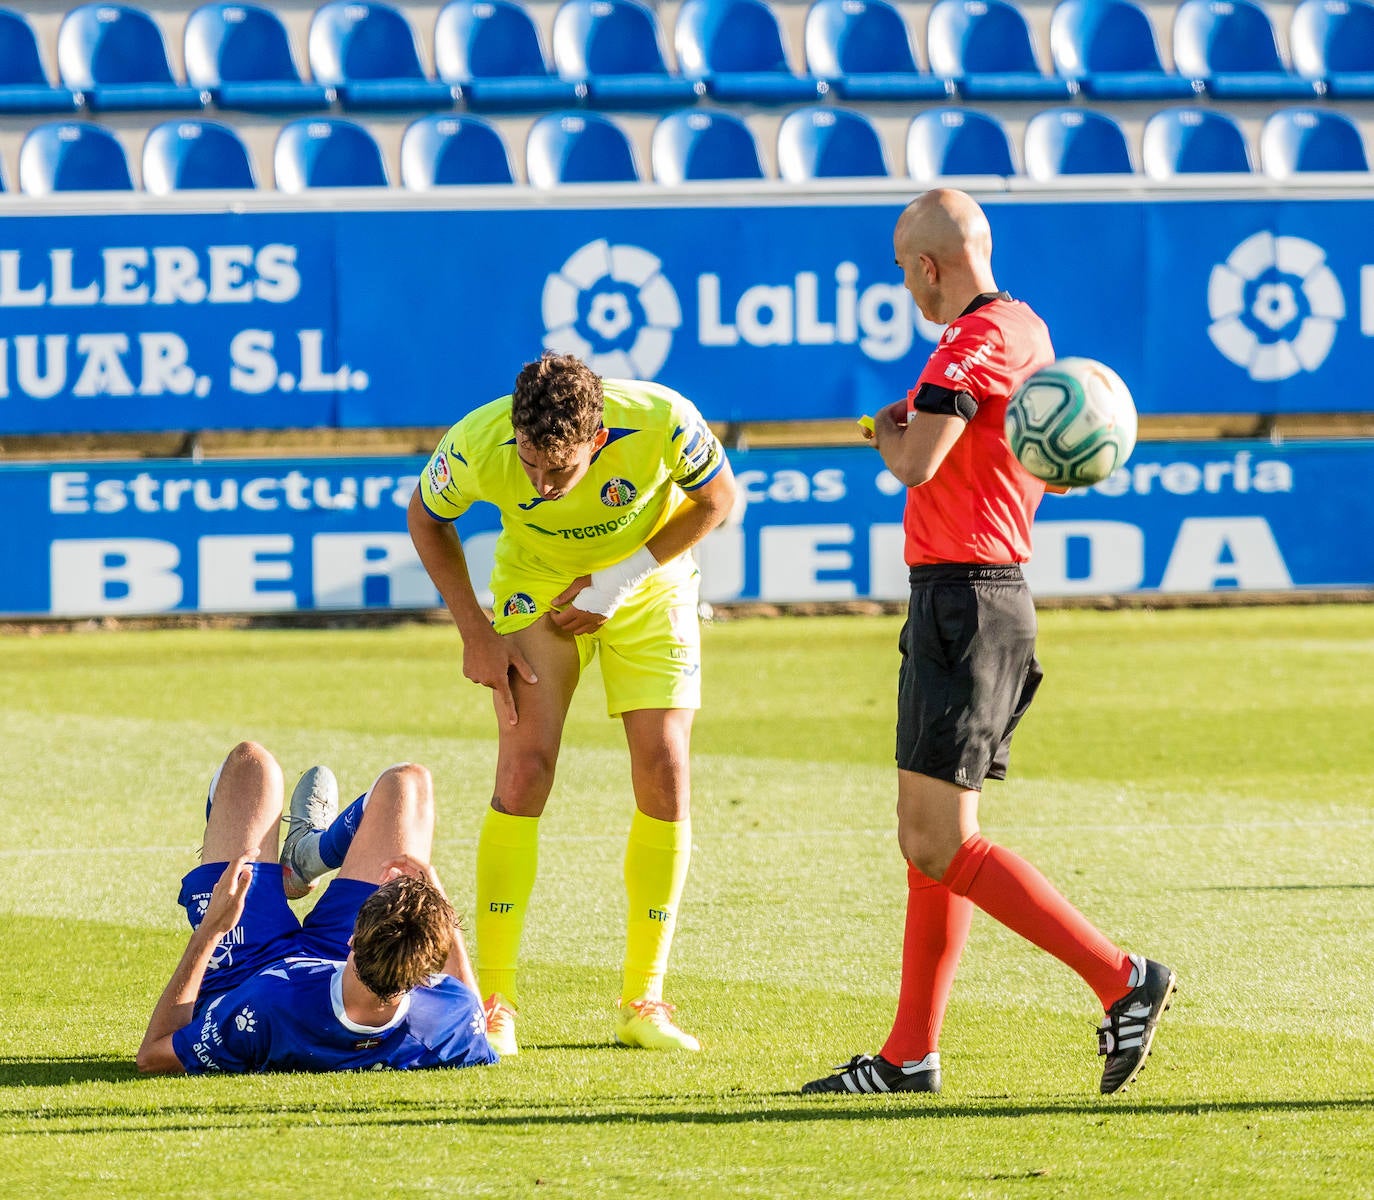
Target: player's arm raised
[[592, 598], [487, 656], [177, 1002]]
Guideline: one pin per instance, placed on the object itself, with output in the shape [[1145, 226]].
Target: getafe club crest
[[616, 493], [519, 602]]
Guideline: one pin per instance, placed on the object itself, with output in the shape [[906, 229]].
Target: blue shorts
[[269, 931]]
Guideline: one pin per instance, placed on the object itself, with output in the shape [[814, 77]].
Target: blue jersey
[[290, 1017]]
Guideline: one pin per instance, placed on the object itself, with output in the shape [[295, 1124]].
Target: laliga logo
[[1274, 305], [612, 307]]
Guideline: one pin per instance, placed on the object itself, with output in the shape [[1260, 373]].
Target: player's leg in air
[[242, 818], [390, 826], [508, 847]]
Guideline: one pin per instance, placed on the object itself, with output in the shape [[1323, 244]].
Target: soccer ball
[[1072, 423]]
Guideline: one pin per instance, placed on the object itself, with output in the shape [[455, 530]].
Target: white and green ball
[[1072, 423]]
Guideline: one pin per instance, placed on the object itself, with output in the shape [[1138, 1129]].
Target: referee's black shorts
[[969, 671]]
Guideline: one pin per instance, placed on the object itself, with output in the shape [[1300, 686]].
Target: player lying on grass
[[377, 975]]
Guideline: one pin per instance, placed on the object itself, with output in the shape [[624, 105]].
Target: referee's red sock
[[937, 924], [1007, 887]]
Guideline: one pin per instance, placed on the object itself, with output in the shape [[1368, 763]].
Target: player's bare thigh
[[245, 808], [527, 753], [397, 820]]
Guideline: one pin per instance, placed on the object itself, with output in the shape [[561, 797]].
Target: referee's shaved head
[[946, 224], [943, 244]]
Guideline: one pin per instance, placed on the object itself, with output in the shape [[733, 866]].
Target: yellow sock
[[656, 861], [507, 857]]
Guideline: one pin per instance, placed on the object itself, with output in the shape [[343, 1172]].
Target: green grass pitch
[[1199, 782]]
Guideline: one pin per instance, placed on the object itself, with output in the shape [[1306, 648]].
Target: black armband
[[932, 398]]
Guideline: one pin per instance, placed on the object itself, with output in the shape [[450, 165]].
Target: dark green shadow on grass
[[1281, 887], [59, 1071], [400, 1114]]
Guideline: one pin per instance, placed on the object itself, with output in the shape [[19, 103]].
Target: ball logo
[[1274, 305], [617, 493], [612, 307], [519, 602]]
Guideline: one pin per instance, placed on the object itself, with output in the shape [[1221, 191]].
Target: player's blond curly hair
[[402, 935], [557, 404]]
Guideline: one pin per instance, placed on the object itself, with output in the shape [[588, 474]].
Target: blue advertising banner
[[123, 539], [765, 311]]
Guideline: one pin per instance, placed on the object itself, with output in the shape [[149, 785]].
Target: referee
[[968, 670]]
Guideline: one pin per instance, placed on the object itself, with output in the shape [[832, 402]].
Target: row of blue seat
[[688, 145], [607, 53]]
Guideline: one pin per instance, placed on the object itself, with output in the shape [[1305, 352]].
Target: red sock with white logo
[[1007, 887], [937, 924]]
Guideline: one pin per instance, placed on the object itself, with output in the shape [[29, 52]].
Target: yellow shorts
[[651, 646]]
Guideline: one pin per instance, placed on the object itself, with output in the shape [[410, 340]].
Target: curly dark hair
[[557, 404], [402, 935]]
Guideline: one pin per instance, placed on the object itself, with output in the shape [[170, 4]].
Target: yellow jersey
[[658, 448]]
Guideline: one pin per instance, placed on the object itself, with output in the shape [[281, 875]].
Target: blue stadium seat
[[703, 144], [367, 52], [441, 150], [1192, 141], [735, 47], [578, 148], [1297, 140], [1109, 47], [316, 152], [24, 85], [1075, 141], [185, 155], [1230, 46], [1333, 40], [861, 47], [957, 141], [114, 55], [985, 47], [240, 54], [71, 156], [490, 50], [612, 46], [828, 143]]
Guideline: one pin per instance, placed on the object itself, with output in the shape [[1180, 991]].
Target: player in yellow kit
[[603, 486]]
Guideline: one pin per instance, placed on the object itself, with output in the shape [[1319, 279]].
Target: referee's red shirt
[[979, 505]]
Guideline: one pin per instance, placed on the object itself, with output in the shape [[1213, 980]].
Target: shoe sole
[[822, 1087], [1149, 1041]]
